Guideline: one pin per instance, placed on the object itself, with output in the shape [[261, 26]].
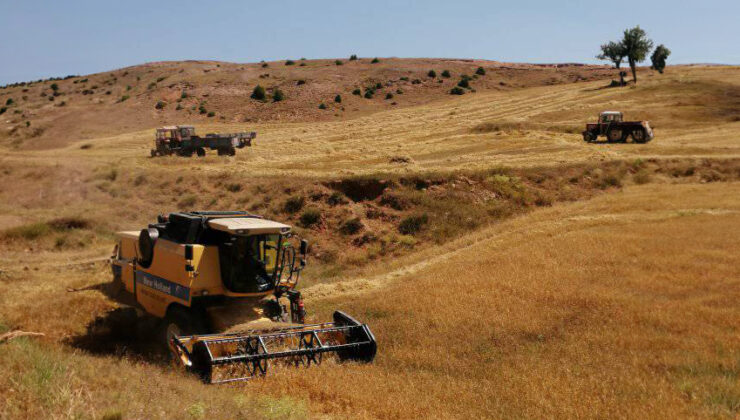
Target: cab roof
[[247, 225], [611, 113]]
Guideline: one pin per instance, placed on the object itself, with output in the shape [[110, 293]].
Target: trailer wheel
[[638, 136], [200, 151]]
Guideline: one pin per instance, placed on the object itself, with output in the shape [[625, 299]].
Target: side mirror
[[304, 247]]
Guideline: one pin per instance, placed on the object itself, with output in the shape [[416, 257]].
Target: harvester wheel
[[181, 321], [201, 152]]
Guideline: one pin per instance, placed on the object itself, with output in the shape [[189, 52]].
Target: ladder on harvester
[[220, 358]]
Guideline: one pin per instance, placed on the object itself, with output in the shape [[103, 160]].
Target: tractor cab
[[174, 134], [606, 118]]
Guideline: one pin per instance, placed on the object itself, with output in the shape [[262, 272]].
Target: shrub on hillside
[[351, 226], [183, 95], [294, 204], [9, 102], [300, 82], [338, 99], [463, 83], [258, 93], [413, 224], [357, 92], [481, 71], [353, 57], [2, 110], [289, 62], [338, 62], [54, 87], [278, 95], [310, 217], [369, 94], [416, 82], [457, 91], [160, 105], [211, 114], [375, 60], [432, 73], [322, 106], [378, 85], [123, 98], [265, 65], [399, 91], [388, 95]]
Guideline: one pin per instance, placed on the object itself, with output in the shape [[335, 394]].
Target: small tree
[[357, 92], [278, 95], [338, 62], [375, 61], [258, 93], [353, 57], [289, 62], [636, 46], [54, 87], [338, 99], [659, 56], [614, 52], [432, 74], [446, 74], [480, 71]]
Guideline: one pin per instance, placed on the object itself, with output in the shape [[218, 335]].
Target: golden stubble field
[[622, 305]]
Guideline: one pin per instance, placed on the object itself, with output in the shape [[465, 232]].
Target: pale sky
[[42, 39]]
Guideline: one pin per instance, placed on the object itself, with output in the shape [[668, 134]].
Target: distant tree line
[[634, 47]]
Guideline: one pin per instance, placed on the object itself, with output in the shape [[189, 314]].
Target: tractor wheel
[[201, 152], [638, 136], [588, 136], [614, 135], [231, 152]]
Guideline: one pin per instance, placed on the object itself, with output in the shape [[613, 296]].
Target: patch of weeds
[[336, 198], [197, 411], [310, 217], [351, 226], [233, 187], [294, 204], [187, 201], [413, 224], [641, 177]]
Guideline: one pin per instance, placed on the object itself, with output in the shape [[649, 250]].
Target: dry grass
[[552, 278]]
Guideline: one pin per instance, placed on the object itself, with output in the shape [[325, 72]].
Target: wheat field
[[556, 279]]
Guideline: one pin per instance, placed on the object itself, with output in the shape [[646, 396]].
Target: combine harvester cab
[[193, 269]]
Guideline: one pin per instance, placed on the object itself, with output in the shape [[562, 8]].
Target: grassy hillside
[[507, 268], [198, 92]]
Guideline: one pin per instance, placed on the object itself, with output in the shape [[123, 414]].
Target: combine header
[[220, 358], [205, 272]]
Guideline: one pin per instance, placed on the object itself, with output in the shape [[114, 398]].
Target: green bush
[[259, 93], [351, 226], [123, 98], [388, 95], [310, 217], [375, 61], [353, 57], [399, 91], [289, 63], [457, 91], [446, 74], [294, 204], [183, 95], [463, 83], [9, 102], [369, 94], [413, 224], [357, 92], [202, 109], [211, 114], [300, 82], [160, 105], [338, 99], [264, 65], [2, 110], [432, 74], [278, 95], [322, 106], [54, 87], [336, 198], [378, 85], [481, 71], [338, 62]]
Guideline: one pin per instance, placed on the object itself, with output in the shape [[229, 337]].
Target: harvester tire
[[181, 321], [201, 152]]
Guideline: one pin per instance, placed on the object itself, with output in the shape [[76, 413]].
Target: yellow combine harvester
[[203, 272]]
